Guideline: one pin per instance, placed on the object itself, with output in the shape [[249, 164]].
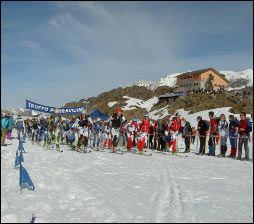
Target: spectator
[[233, 132], [211, 141], [4, 127], [202, 135], [11, 125], [186, 134], [193, 133], [223, 132], [245, 128]]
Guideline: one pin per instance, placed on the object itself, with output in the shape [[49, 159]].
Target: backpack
[[249, 125], [207, 125]]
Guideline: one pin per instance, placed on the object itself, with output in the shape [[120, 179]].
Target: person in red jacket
[[244, 128], [144, 126], [132, 130], [211, 141], [173, 127]]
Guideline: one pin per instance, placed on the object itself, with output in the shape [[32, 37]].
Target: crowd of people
[[146, 133]]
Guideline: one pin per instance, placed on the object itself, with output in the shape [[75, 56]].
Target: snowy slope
[[170, 79], [104, 187]]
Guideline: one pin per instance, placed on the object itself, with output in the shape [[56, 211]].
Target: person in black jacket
[[202, 134], [186, 134], [161, 132]]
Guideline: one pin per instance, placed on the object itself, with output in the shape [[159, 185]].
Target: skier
[[34, 130], [53, 128], [144, 126], [84, 123], [115, 124], [97, 130], [132, 129], [106, 135], [19, 125], [173, 127]]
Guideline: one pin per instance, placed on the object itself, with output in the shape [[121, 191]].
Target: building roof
[[199, 72]]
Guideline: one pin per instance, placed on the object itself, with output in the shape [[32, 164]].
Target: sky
[[58, 52]]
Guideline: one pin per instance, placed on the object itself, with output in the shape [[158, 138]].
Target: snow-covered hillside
[[170, 79], [72, 187]]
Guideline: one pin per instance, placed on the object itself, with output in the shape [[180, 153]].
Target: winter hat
[[56, 111]]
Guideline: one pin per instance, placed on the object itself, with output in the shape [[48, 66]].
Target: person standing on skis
[[132, 130], [53, 127], [173, 127], [144, 126], [84, 123], [116, 121]]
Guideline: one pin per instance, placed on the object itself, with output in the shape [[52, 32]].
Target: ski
[[117, 152]]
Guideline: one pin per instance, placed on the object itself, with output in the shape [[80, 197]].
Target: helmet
[[119, 110], [83, 111], [98, 119], [73, 118], [134, 119], [146, 115]]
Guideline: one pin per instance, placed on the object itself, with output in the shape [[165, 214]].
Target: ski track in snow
[[103, 187]]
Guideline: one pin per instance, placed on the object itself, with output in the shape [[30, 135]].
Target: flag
[[24, 137], [21, 158], [21, 147], [25, 180], [17, 162], [33, 219]]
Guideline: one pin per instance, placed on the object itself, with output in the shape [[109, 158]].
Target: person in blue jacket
[[97, 131], [233, 132], [4, 127], [11, 125]]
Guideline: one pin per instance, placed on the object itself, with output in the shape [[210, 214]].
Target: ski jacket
[[245, 124], [4, 122], [187, 129], [117, 121], [144, 125], [223, 128], [212, 126], [233, 125], [19, 123], [98, 128], [132, 128], [174, 124], [11, 123], [84, 122], [54, 122], [202, 127]]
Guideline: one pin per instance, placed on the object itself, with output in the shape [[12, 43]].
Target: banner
[[46, 109]]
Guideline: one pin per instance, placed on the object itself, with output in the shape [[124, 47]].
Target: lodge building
[[196, 80]]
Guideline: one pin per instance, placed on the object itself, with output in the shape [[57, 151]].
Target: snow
[[104, 187], [111, 104], [133, 103]]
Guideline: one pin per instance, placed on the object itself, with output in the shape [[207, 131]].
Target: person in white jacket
[[223, 132]]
